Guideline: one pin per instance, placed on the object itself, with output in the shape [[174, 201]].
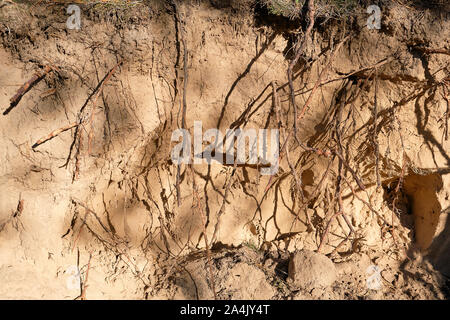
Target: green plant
[[286, 8], [250, 244], [323, 8]]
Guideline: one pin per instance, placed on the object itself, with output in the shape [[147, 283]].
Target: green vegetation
[[324, 8], [251, 244]]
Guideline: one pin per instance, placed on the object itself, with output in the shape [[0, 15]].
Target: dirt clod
[[308, 270]]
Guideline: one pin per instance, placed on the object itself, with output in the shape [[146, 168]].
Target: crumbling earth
[[92, 206]]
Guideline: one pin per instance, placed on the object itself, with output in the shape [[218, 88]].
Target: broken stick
[[14, 101], [54, 134]]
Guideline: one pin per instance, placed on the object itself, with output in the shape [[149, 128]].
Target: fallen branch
[[27, 86], [54, 134]]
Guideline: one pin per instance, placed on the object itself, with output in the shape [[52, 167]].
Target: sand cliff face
[[104, 194]]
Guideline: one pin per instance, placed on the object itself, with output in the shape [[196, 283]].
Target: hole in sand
[[417, 205]]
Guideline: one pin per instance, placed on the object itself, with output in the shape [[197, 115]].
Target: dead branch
[[27, 86], [53, 134]]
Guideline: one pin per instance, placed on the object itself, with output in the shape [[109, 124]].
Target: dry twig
[[54, 134], [27, 86]]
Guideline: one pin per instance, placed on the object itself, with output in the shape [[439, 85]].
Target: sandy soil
[[97, 204]]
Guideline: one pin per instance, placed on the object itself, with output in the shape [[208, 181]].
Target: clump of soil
[[89, 186], [245, 273]]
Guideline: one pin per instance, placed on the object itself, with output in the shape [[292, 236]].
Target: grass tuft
[[292, 9]]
